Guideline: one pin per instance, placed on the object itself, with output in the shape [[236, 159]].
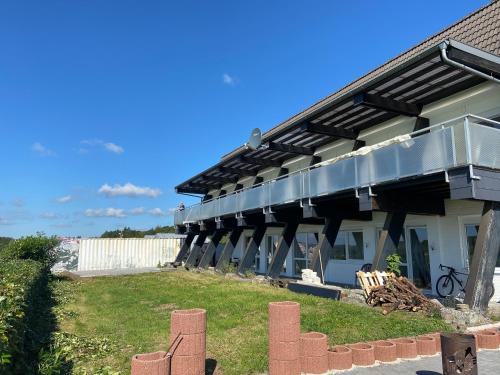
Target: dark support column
[[227, 253], [284, 244], [389, 239], [252, 248], [330, 232], [480, 282], [196, 250], [184, 250], [211, 248]]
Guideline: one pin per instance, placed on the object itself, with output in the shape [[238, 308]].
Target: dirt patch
[[166, 307]]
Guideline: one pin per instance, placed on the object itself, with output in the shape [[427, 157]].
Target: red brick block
[[284, 350], [190, 344], [150, 364], [188, 364], [437, 338], [284, 312], [363, 354], [339, 358], [315, 365], [277, 367], [314, 344], [426, 345], [188, 322], [284, 333], [385, 351], [488, 339], [406, 347]]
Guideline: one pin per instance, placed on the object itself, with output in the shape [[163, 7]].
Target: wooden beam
[[421, 123], [480, 282], [328, 130], [227, 252], [412, 203], [238, 171], [291, 149], [252, 248], [209, 253], [260, 161], [282, 250], [321, 254], [183, 252], [389, 239], [388, 105], [221, 180], [195, 250]]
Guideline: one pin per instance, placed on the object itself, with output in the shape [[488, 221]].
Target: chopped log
[[399, 293]]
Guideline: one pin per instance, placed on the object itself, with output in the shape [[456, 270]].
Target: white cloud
[[228, 80], [65, 199], [105, 212], [113, 148], [137, 211], [108, 146], [41, 149], [129, 190], [156, 212]]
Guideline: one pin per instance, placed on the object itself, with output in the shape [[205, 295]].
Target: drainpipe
[[443, 46]]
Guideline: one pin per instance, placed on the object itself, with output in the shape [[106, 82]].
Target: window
[[348, 245], [401, 251], [471, 231], [303, 248]]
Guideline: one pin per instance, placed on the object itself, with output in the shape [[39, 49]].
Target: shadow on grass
[[210, 366], [42, 323]]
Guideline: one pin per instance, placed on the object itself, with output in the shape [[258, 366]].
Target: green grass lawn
[[133, 312]]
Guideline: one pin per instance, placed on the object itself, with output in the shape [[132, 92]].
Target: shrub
[[38, 247], [23, 285], [394, 264]]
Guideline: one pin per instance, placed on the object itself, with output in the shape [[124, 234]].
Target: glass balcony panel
[[440, 149], [253, 198], [228, 204], [484, 145], [331, 178], [287, 189]]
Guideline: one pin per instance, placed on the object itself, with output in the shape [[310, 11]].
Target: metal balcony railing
[[467, 140]]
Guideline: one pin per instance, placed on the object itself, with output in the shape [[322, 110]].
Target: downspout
[[443, 46]]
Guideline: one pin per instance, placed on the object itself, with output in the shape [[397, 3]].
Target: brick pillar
[[150, 364], [189, 356], [284, 338]]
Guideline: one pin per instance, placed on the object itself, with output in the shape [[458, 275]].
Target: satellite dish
[[255, 140]]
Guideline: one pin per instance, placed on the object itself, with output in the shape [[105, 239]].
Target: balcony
[[468, 140]]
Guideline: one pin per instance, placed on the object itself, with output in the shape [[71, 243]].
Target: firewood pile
[[398, 293]]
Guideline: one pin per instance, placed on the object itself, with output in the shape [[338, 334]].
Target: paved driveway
[[488, 364]]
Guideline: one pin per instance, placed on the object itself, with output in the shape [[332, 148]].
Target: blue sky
[[106, 105]]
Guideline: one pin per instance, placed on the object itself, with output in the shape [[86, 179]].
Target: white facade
[[116, 253], [444, 237]]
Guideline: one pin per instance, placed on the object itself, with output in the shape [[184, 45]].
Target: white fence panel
[[115, 253]]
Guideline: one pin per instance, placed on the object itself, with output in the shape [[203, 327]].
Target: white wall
[[115, 253]]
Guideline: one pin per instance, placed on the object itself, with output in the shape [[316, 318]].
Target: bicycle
[[445, 285]]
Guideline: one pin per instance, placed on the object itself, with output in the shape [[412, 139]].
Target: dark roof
[[416, 76]]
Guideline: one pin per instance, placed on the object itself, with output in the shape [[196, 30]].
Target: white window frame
[[306, 259], [346, 244], [462, 222]]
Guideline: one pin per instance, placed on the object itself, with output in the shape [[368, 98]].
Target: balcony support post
[[227, 252], [181, 255], [252, 248], [320, 256], [196, 250], [283, 248], [209, 253], [480, 282], [389, 239]]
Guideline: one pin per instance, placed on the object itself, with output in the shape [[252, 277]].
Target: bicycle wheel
[[445, 286]]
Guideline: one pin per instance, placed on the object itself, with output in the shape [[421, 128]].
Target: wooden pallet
[[371, 280]]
